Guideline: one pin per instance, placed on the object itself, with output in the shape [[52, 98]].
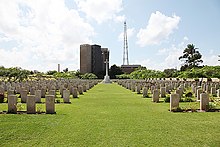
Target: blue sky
[[37, 35]]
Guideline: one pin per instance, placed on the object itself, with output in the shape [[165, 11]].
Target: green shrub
[[167, 99], [89, 76], [214, 95], [177, 109], [20, 107], [188, 99], [193, 107], [211, 106], [189, 94], [1, 97]]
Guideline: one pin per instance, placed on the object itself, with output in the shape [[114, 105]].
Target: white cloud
[[168, 57], [173, 53], [120, 18], [158, 29], [172, 59], [211, 59], [149, 64], [186, 38], [130, 33], [101, 10], [47, 33]]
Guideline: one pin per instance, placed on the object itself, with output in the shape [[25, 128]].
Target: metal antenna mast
[[125, 52]]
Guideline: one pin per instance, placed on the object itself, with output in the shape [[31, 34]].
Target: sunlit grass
[[109, 115]]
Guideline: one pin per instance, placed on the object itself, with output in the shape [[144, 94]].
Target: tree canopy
[[14, 73], [114, 70], [191, 57]]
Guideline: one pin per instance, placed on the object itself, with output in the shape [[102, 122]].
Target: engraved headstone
[[213, 91], [80, 89], [174, 101], [66, 96], [12, 104], [75, 92], [145, 92], [155, 96], [162, 91], [199, 91], [23, 96], [138, 89], [38, 96], [31, 105], [204, 101], [50, 104]]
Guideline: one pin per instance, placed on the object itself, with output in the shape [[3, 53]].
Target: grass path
[[109, 115]]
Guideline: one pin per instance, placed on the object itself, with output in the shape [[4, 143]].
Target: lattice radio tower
[[125, 51]]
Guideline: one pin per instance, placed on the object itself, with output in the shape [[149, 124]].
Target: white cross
[[106, 67]]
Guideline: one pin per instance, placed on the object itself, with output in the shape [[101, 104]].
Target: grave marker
[[31, 106], [66, 96], [50, 104], [155, 96], [12, 104], [174, 101], [204, 101]]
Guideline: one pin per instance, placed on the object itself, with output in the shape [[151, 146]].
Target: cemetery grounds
[[110, 115]]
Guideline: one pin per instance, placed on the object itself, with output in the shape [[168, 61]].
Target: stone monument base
[[106, 80]]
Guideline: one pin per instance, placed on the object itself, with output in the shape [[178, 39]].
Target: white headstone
[[50, 104], [31, 105], [174, 101], [204, 101], [66, 96], [12, 104], [155, 96]]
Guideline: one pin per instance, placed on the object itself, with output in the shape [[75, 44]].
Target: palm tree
[[191, 57]]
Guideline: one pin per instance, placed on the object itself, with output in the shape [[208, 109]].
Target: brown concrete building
[[129, 68], [85, 58], [92, 58]]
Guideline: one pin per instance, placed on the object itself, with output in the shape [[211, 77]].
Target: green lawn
[[109, 115]]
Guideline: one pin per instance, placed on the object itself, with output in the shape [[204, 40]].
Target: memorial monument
[[106, 78]]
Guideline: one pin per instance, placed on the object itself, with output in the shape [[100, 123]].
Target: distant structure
[[58, 68], [105, 55], [125, 49], [92, 58], [125, 67], [106, 78], [129, 68]]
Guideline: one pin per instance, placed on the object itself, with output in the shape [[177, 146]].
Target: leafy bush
[[188, 99], [1, 97], [193, 107], [123, 76], [177, 109], [89, 76], [57, 101], [51, 72], [211, 106], [66, 75], [167, 99], [189, 94], [146, 73]]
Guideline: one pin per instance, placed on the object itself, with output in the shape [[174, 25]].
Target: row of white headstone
[[159, 88], [175, 99], [31, 104], [32, 95]]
